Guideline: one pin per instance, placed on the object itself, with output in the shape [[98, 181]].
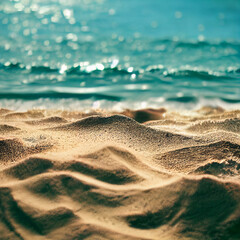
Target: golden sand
[[146, 174]]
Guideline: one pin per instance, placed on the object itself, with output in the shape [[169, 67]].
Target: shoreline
[[90, 105]]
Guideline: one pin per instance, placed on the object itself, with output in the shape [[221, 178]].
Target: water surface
[[119, 54]]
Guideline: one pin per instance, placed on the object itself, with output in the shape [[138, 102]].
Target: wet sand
[[146, 174]]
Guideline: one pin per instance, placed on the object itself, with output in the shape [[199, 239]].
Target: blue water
[[83, 54]]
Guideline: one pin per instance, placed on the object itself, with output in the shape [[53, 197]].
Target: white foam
[[89, 104]]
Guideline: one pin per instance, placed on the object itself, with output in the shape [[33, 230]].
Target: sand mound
[[145, 115], [13, 149], [230, 125], [3, 111], [114, 176], [16, 212], [110, 177], [24, 115], [204, 208], [50, 120], [7, 128], [98, 121], [123, 130], [221, 169], [186, 159], [29, 167]]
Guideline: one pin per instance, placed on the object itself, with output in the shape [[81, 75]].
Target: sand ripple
[[110, 177]]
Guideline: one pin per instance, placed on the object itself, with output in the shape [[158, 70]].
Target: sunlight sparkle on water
[[63, 69]]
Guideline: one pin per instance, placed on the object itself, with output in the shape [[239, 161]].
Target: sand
[[146, 174]]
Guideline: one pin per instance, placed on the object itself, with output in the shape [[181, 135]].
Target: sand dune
[[71, 176]]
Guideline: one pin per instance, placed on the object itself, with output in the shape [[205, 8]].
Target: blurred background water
[[84, 54]]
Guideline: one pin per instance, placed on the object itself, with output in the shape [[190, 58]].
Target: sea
[[107, 54]]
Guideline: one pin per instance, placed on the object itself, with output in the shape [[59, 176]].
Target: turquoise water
[[83, 54]]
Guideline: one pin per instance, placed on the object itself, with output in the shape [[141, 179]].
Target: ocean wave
[[106, 70], [204, 75], [58, 95]]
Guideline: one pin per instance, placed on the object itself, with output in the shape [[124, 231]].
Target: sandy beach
[[119, 120], [147, 174]]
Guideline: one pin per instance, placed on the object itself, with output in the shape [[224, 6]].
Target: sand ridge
[[71, 175]]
